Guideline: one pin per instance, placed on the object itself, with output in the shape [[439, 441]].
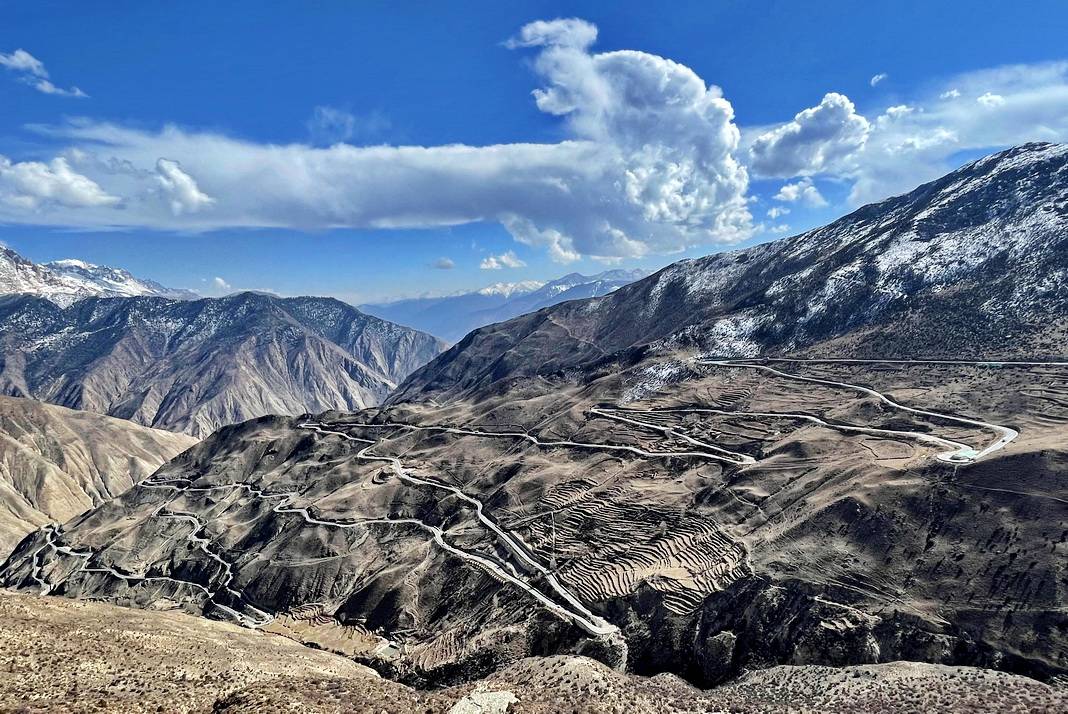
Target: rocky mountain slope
[[193, 366], [620, 478], [56, 463], [67, 281], [973, 264], [453, 316]]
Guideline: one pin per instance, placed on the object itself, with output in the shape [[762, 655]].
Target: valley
[[362, 358], [690, 494], [700, 477]]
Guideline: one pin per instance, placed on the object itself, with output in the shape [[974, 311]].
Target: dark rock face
[[194, 366]]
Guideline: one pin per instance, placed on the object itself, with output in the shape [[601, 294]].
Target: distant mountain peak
[[66, 281], [196, 365], [968, 265], [450, 317], [510, 289]]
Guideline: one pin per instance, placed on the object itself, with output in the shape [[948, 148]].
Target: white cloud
[[803, 191], [31, 71], [1017, 104], [181, 190], [899, 110], [444, 264], [648, 166], [990, 99], [505, 260], [882, 76], [910, 143], [777, 212], [22, 61], [31, 186], [780, 228], [220, 284], [813, 142], [330, 125], [571, 33]]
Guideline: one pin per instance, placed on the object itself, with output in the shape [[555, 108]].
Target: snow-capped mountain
[[453, 316], [972, 265], [509, 289], [64, 282]]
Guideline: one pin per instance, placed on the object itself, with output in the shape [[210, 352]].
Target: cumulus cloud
[[999, 107], [813, 142], [777, 212], [444, 264], [220, 284], [909, 143], [31, 71], [181, 190], [505, 260], [647, 166], [33, 186], [566, 32], [989, 99], [803, 191], [898, 111], [882, 76]]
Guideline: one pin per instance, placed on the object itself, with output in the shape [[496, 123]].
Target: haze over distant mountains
[[453, 316], [66, 281]]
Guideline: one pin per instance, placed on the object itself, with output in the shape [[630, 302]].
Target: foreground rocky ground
[[59, 655]]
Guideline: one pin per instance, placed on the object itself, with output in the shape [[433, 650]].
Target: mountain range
[[453, 316], [67, 281], [842, 448], [195, 365], [969, 265]]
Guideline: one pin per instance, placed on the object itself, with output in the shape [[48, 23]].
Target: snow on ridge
[[66, 281], [510, 289]]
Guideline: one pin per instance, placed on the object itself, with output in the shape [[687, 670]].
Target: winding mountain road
[[958, 453], [555, 596], [717, 453], [575, 610]]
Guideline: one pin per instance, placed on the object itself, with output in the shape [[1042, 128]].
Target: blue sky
[[230, 140]]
